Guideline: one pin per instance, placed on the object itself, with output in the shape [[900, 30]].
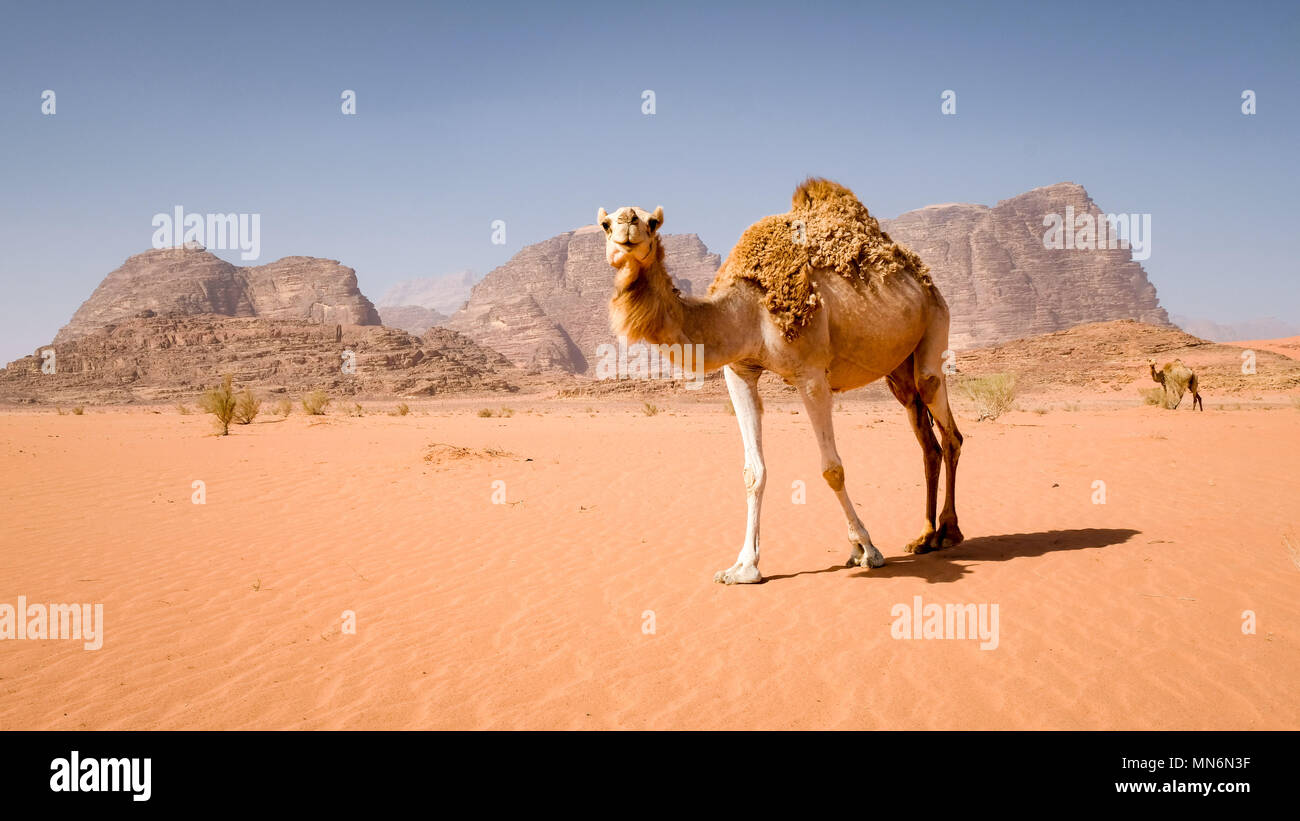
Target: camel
[[1176, 378], [823, 298]]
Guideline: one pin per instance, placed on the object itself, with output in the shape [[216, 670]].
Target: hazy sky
[[522, 112]]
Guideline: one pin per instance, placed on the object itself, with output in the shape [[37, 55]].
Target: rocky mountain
[[444, 294], [413, 319], [547, 307], [190, 280], [1000, 280], [148, 358]]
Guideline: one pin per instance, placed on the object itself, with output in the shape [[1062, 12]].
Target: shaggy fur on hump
[[838, 234]]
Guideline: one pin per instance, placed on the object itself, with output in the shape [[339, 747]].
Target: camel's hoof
[[738, 574], [922, 543], [868, 558], [949, 535]]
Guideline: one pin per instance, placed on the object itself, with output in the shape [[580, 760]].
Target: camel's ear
[[602, 219], [657, 219]]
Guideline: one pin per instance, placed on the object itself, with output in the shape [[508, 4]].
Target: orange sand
[[529, 614], [1287, 346]]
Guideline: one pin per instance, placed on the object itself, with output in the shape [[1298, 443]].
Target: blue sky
[[531, 113]]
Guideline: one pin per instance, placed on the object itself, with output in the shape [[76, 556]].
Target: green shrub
[[247, 407], [1153, 396], [220, 402], [314, 403], [993, 395]]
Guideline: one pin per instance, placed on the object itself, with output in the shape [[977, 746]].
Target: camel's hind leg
[[816, 394], [932, 387], [902, 383]]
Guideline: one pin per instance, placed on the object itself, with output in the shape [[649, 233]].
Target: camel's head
[[631, 235]]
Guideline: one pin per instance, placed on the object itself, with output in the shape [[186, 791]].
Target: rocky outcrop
[[548, 306], [151, 358], [1002, 283], [189, 281]]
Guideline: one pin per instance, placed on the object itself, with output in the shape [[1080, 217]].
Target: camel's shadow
[[941, 566]]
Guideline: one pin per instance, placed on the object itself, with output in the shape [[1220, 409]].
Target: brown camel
[[1176, 378], [823, 298]]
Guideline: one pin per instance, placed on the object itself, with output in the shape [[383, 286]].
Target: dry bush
[[61, 411], [993, 395], [356, 410], [314, 403], [79, 410], [650, 409], [182, 409], [1153, 396], [247, 407], [283, 408], [220, 402], [484, 413], [401, 410]]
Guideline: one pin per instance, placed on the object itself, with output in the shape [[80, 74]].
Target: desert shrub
[[79, 410], [1153, 396], [220, 402], [313, 404], [283, 408], [356, 410], [993, 395], [402, 409], [247, 407], [182, 409], [506, 413], [61, 411], [650, 409], [485, 412]]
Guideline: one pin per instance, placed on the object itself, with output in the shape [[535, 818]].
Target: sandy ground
[[533, 613]]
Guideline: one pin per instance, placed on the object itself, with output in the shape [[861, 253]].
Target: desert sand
[[532, 613]]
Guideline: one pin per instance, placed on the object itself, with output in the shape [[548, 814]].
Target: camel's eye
[[605, 225], [653, 223]]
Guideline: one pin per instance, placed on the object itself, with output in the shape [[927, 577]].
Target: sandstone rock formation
[[547, 307], [414, 319], [1001, 282], [190, 281], [445, 294], [150, 358]]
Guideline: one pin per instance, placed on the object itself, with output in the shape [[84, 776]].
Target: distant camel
[[1176, 378]]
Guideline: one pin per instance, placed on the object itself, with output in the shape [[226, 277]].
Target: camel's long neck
[[647, 307]]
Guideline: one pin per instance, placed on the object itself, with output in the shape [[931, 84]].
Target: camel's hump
[[818, 190]]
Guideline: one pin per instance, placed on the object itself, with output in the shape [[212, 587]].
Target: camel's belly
[[871, 336]]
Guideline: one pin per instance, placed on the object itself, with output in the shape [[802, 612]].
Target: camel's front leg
[[742, 383], [816, 393]]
